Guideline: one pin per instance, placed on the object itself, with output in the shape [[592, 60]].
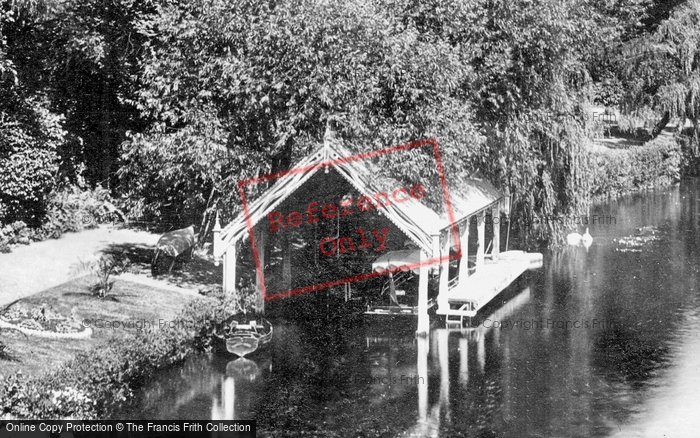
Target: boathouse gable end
[[414, 219], [468, 197]]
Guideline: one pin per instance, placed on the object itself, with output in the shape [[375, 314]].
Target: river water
[[599, 342]]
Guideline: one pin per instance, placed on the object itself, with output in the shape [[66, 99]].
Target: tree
[[29, 138], [532, 85], [663, 67], [273, 75], [83, 56]]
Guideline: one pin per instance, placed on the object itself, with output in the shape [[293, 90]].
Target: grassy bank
[[52, 378], [128, 306]]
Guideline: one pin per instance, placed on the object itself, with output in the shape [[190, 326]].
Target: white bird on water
[[574, 239], [586, 239]]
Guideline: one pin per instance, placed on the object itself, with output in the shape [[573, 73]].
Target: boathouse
[[303, 216]]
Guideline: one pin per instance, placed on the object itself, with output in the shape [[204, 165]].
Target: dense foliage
[[67, 209], [171, 103], [29, 137], [655, 164]]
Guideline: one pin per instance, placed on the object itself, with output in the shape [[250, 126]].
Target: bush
[[102, 268], [654, 164], [68, 209], [637, 126], [689, 142], [29, 161], [12, 234], [97, 383]]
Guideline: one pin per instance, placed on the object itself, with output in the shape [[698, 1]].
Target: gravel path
[[41, 265]]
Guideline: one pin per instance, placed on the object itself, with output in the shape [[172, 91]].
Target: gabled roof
[[416, 220]]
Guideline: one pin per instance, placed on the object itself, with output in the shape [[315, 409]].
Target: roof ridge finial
[[329, 135], [217, 224]]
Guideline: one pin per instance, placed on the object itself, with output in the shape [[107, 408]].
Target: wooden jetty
[[465, 298]]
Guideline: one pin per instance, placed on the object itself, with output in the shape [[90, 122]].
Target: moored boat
[[399, 293], [243, 335]]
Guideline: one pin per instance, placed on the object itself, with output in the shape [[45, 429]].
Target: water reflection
[[224, 408], [598, 343], [239, 374], [439, 415], [243, 369]]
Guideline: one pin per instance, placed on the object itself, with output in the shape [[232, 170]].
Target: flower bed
[[40, 321]]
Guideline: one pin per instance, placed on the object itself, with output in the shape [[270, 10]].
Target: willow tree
[[680, 38], [663, 70], [532, 87]]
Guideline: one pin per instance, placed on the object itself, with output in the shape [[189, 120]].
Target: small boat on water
[[242, 335]]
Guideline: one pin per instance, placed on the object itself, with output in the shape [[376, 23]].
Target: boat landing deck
[[467, 297]]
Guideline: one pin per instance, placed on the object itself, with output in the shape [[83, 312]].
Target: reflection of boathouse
[[303, 225]]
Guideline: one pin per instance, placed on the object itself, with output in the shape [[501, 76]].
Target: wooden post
[[464, 262], [218, 244], [423, 320], [445, 264], [496, 220], [230, 270], [481, 227], [261, 242], [436, 251], [226, 285]]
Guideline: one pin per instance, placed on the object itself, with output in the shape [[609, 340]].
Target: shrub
[[654, 164], [637, 125], [73, 209], [102, 267], [12, 234], [29, 161], [68, 209], [689, 142], [608, 91], [3, 348]]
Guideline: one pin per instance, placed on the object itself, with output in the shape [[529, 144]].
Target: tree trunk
[[106, 97], [283, 160], [286, 262], [660, 125], [202, 230]]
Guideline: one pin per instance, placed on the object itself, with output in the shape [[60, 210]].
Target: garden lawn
[[129, 304]]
